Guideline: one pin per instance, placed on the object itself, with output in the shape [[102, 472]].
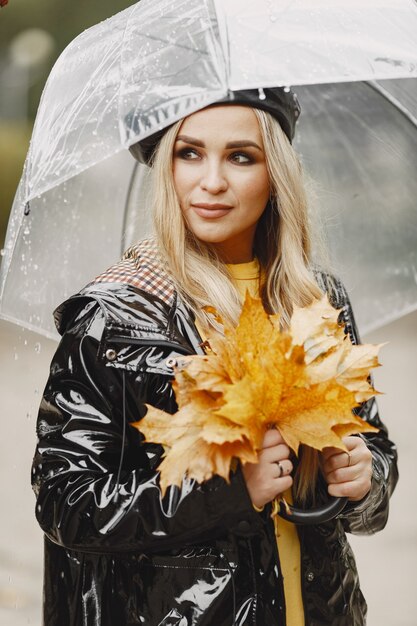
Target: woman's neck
[[234, 255]]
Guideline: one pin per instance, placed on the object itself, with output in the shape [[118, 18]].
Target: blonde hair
[[282, 245]]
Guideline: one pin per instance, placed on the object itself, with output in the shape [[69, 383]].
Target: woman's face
[[221, 178]]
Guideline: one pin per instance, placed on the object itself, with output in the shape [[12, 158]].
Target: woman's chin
[[205, 236]]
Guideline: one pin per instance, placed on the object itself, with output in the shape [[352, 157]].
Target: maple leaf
[[330, 352], [305, 382]]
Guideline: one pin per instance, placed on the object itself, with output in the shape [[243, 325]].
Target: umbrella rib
[[227, 57], [181, 47], [392, 100]]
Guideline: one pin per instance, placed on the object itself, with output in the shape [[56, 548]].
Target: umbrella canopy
[[358, 145], [139, 72], [301, 42]]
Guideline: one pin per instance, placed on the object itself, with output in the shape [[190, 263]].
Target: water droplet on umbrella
[[262, 95], [16, 356], [273, 18], [287, 89], [37, 347], [26, 231]]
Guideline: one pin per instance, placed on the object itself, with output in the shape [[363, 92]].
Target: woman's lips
[[211, 211]]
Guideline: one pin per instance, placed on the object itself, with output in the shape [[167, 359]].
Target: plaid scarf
[[141, 266]]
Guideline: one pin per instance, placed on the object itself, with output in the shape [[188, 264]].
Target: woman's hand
[[271, 475], [348, 474]]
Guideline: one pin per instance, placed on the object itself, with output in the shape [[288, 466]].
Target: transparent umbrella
[[156, 62], [358, 143]]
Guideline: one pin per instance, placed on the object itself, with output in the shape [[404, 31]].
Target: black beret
[[280, 102]]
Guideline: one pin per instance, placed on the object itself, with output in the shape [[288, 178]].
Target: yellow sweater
[[246, 277]]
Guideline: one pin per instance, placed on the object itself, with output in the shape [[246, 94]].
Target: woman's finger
[[328, 452], [264, 480], [349, 474], [334, 458], [344, 474], [353, 490], [346, 468], [275, 453], [272, 438], [282, 468], [338, 460]]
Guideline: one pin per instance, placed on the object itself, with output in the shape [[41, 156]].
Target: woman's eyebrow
[[242, 143], [191, 140]]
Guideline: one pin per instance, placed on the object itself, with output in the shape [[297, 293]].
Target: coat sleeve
[[370, 514], [96, 480]]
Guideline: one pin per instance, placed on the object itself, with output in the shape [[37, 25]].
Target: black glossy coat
[[116, 553]]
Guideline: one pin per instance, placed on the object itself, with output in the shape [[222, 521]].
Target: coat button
[[310, 576], [243, 526], [171, 362], [111, 354]]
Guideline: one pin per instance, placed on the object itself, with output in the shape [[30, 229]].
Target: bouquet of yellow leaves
[[305, 382]]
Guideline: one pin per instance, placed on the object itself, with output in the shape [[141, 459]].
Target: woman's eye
[[188, 154], [240, 158]]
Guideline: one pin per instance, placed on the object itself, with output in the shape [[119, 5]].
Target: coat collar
[[143, 268], [138, 303]]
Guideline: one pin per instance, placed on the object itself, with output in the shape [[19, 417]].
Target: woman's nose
[[213, 178]]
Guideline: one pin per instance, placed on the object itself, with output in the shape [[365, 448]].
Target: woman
[[230, 214]]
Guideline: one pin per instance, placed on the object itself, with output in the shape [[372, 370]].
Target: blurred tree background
[[32, 35]]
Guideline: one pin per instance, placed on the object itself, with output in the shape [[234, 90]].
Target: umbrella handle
[[319, 515]]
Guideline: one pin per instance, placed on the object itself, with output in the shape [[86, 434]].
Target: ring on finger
[[281, 468]]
